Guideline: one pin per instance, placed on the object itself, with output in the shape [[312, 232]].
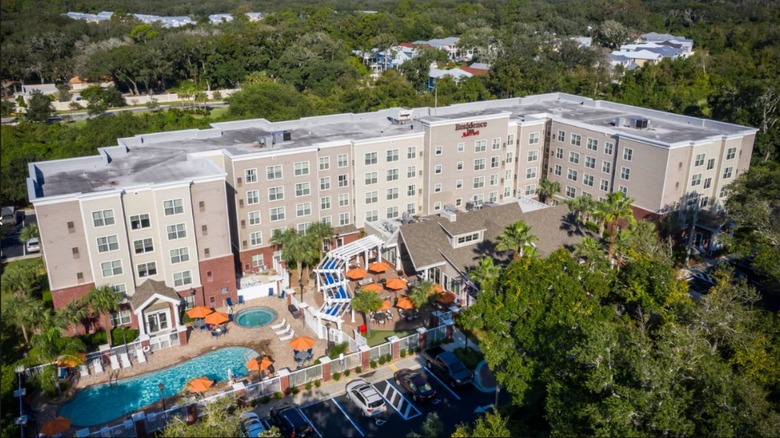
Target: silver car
[[366, 397]]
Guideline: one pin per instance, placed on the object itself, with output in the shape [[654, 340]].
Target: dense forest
[[612, 351]]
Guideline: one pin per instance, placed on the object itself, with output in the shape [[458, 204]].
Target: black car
[[290, 421], [415, 385]]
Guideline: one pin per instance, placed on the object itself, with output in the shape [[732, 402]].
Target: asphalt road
[[11, 245]]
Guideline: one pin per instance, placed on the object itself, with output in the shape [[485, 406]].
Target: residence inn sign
[[471, 128]]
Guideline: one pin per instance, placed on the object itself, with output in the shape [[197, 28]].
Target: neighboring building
[[192, 209], [669, 40], [458, 74], [651, 48], [455, 53], [220, 18], [583, 41]]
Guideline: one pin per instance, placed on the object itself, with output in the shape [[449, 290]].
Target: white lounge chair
[[284, 331], [84, 370], [114, 363], [139, 354], [287, 337], [280, 325], [97, 366], [125, 360]]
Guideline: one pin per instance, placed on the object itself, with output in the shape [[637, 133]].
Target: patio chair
[[214, 334], [114, 362], [125, 360], [139, 354], [284, 330], [280, 325], [240, 300], [82, 433], [287, 337], [229, 302], [282, 294], [97, 366], [84, 370]]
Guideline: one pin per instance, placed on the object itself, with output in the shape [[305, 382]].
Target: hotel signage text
[[469, 129]]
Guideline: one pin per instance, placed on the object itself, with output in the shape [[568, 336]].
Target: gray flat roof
[[165, 157]]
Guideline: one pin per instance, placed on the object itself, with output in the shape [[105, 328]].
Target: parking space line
[[442, 383], [310, 423], [348, 417], [409, 403]]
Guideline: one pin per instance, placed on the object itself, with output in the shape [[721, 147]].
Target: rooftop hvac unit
[[401, 116], [449, 215], [640, 122]]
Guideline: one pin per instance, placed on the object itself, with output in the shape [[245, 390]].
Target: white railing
[[353, 345], [305, 375], [410, 342], [311, 321], [346, 362], [380, 350], [435, 335]]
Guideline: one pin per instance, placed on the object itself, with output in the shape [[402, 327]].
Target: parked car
[[250, 425], [414, 384], [290, 422], [366, 398], [447, 366], [32, 245]]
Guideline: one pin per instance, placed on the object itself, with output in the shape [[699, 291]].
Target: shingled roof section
[[428, 242], [149, 288]]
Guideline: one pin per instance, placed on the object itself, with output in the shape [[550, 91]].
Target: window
[[411, 190], [301, 168], [392, 193], [606, 166], [276, 214], [139, 221], [593, 144], [71, 227], [459, 166], [496, 143], [437, 188], [530, 189], [107, 243], [392, 155], [608, 148], [182, 278], [372, 216], [623, 190], [480, 146], [437, 206], [392, 212], [587, 179], [557, 170], [343, 219], [533, 155], [710, 164], [257, 261], [559, 153], [561, 136], [576, 139], [370, 158], [494, 162], [103, 218], [727, 172], [723, 192], [707, 183], [173, 206], [342, 160], [437, 169], [411, 171], [438, 150], [473, 237], [324, 163], [147, 269], [303, 209], [731, 153], [411, 152], [276, 193], [479, 164], [699, 160], [574, 157], [530, 173], [590, 162], [625, 173], [628, 154], [461, 147], [479, 182], [256, 238], [180, 255], [273, 172], [253, 197], [325, 183], [696, 179], [254, 217], [509, 157], [411, 208], [459, 184], [344, 200], [202, 205], [111, 268], [492, 196], [571, 192], [325, 203], [604, 186], [143, 246], [533, 138], [302, 189], [250, 175], [704, 201], [178, 231], [372, 197], [392, 175], [120, 318], [343, 180], [571, 175], [510, 139]]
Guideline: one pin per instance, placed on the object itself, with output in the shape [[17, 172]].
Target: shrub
[[388, 358], [373, 364], [278, 395], [411, 352], [382, 360], [337, 350], [265, 399], [403, 353], [358, 370], [317, 383], [185, 319], [294, 390], [346, 373], [317, 362], [254, 403], [308, 386], [417, 349], [336, 376]]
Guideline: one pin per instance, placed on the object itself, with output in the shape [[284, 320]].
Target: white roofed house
[[220, 18], [664, 38]]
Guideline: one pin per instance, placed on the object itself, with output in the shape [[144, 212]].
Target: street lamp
[[300, 284], [327, 336], [162, 396]]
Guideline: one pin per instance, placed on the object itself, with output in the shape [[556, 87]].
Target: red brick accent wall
[[62, 297], [223, 275], [246, 258], [349, 238]]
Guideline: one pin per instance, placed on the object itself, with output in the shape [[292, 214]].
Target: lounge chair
[[280, 325], [287, 337], [82, 433], [240, 299], [125, 360], [114, 363], [139, 354], [284, 330], [229, 302], [84, 370], [97, 366]]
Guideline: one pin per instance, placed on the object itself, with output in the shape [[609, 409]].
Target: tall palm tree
[[103, 300], [366, 302], [22, 312], [590, 250], [548, 189], [297, 251], [320, 232], [515, 238], [485, 274], [616, 208], [421, 293]]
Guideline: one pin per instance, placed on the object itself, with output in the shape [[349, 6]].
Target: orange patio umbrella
[[259, 364], [55, 426], [445, 297], [404, 303], [378, 267], [385, 305], [217, 318], [395, 284], [199, 312], [199, 384], [437, 288], [356, 274], [373, 287], [301, 343], [71, 361]]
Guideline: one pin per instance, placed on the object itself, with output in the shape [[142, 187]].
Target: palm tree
[[515, 238], [485, 274], [421, 293], [76, 312], [616, 207], [48, 346], [103, 300], [22, 278], [366, 302], [590, 250], [297, 251], [548, 189], [320, 232], [22, 312]]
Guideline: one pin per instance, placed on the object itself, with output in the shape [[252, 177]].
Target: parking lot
[[338, 416]]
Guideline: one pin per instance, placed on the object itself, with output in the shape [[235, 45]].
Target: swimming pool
[[102, 403], [255, 317]]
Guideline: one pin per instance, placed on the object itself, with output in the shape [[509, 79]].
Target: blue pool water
[[254, 317], [102, 403]]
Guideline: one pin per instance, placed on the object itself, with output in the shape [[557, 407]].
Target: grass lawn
[[380, 336], [471, 357]]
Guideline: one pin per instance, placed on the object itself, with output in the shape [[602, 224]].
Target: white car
[[250, 425], [32, 245], [366, 398]]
